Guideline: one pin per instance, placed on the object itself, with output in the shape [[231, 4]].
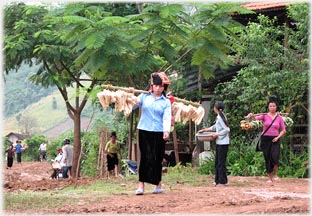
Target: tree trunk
[[77, 145], [191, 132], [102, 162]]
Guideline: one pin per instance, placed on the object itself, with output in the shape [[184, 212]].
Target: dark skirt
[[112, 161], [152, 149]]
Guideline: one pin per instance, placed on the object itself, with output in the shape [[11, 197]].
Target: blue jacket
[[156, 113], [18, 148]]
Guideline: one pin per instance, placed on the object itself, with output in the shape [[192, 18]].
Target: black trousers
[[152, 148], [19, 157], [271, 152], [220, 164], [55, 173]]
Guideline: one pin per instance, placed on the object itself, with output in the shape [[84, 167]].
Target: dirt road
[[244, 195]]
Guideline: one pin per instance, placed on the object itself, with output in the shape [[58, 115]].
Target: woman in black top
[[10, 156]]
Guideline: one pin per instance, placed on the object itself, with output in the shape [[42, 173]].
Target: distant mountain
[[19, 92], [65, 126], [42, 111]]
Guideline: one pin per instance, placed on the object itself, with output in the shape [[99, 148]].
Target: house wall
[[12, 138]]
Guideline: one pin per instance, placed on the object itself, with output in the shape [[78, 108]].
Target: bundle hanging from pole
[[137, 91], [124, 99]]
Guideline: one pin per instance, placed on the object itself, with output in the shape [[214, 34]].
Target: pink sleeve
[[282, 124], [260, 117]]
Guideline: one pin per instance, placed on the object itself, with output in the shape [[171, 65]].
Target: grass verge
[[98, 191]]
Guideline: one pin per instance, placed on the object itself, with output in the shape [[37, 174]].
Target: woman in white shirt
[[221, 133]]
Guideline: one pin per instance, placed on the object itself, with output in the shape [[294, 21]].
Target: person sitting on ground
[[56, 164]]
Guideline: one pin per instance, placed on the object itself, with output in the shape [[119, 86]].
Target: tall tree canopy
[[276, 60], [79, 40]]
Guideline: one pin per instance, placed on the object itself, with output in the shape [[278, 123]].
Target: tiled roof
[[264, 6], [19, 136]]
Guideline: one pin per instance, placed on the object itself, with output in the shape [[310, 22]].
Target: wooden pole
[[136, 91], [130, 137], [191, 140], [175, 146], [257, 114], [100, 163]]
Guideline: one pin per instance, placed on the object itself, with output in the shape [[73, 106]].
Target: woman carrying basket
[[221, 131]]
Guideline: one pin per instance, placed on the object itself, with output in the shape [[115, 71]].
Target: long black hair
[[220, 107]]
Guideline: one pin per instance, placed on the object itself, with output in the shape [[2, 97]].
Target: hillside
[[47, 120], [42, 110], [19, 92], [66, 126]]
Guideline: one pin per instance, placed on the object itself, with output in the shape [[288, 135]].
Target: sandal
[[269, 181], [276, 179], [139, 191], [157, 191]]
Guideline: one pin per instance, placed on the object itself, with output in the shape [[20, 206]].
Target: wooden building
[[13, 137], [299, 133]]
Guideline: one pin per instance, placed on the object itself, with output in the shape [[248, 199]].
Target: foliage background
[[272, 68]]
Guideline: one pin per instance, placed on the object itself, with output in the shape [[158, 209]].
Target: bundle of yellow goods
[[246, 125], [25, 147]]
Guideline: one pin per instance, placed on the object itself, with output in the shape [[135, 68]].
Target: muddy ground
[[243, 195]]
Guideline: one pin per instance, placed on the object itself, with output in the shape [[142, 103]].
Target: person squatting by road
[[270, 140], [222, 131], [112, 149], [56, 165], [67, 159], [153, 130]]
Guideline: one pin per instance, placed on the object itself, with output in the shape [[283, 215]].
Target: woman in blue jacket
[[154, 128]]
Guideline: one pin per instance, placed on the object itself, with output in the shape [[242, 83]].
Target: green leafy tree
[[49, 38], [276, 63], [79, 40], [32, 152], [273, 66]]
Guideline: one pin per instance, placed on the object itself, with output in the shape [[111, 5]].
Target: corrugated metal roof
[[265, 6]]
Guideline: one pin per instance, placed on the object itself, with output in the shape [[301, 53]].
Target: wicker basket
[[205, 136]]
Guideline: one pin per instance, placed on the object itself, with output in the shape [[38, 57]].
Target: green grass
[[186, 175], [33, 200]]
